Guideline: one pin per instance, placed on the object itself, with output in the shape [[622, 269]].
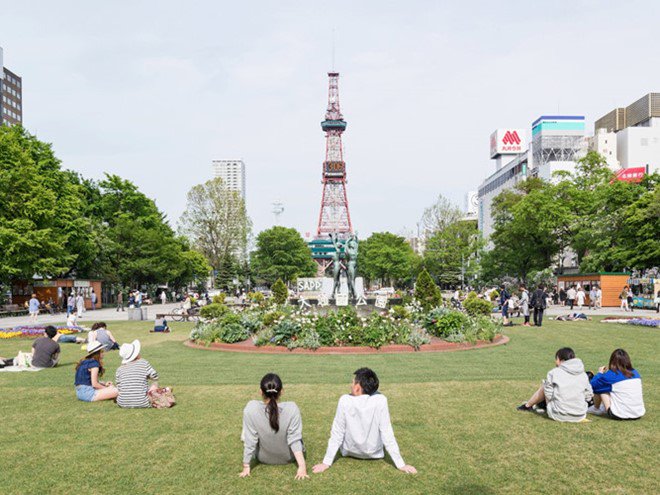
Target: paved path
[[89, 317]]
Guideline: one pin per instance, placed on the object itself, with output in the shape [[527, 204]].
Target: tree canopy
[[387, 258], [282, 253]]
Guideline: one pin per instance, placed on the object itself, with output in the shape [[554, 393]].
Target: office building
[[232, 173], [557, 142], [12, 95], [637, 132]]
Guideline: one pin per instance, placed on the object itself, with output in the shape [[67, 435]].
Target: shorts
[[505, 311], [85, 393]]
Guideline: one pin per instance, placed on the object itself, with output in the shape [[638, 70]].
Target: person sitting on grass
[[72, 319], [132, 376], [100, 333], [46, 350], [618, 389], [565, 392], [88, 371], [362, 426], [272, 431]]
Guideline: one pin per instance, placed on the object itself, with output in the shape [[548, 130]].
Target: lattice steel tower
[[334, 215]]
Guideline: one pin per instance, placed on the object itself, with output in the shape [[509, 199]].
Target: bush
[[494, 295], [219, 298], [233, 332], [255, 297], [445, 323], [213, 311], [271, 317], [285, 330], [475, 306], [417, 338], [251, 322], [426, 292], [280, 292], [263, 337], [399, 312], [471, 295]]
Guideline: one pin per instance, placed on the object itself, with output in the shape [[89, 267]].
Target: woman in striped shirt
[[132, 376]]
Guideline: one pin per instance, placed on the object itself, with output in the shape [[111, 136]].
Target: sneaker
[[523, 407], [596, 411]]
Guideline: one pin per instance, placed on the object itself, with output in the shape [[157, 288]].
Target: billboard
[[631, 174], [472, 203], [507, 142]]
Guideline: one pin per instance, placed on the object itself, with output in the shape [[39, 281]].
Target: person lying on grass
[[362, 426], [88, 371], [272, 431], [132, 376], [565, 392], [618, 389]]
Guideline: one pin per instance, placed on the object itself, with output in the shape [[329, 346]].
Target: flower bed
[[287, 327], [633, 320], [32, 331]]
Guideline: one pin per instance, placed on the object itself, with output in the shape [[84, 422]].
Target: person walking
[[630, 299], [138, 298], [539, 303], [163, 297], [33, 308], [524, 304], [504, 303], [624, 298], [580, 298], [562, 297], [571, 293], [70, 303], [120, 300], [80, 303], [599, 297], [93, 298], [592, 297]]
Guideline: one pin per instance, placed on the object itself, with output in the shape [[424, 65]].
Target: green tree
[[387, 258], [282, 253], [280, 292], [426, 292], [216, 222]]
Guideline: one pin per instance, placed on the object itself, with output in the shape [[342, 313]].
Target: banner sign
[[634, 174], [310, 284]]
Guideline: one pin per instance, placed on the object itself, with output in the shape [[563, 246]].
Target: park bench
[[8, 310]]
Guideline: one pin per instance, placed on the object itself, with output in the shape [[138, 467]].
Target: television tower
[[334, 216]]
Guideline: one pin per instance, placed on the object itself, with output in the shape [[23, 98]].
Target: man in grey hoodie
[[565, 392]]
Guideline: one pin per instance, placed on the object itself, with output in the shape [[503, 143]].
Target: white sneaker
[[596, 411]]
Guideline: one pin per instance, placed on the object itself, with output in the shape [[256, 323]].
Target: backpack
[[161, 398]]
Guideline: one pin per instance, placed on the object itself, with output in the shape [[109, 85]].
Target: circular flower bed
[[633, 320], [32, 331], [288, 327]]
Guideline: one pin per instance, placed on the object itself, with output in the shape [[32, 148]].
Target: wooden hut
[[611, 283]]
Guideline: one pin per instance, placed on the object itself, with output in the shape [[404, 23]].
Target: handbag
[[161, 398]]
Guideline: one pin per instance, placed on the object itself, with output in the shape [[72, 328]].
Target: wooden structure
[[611, 283], [22, 290]]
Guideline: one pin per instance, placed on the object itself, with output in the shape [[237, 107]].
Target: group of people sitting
[[272, 430], [569, 392]]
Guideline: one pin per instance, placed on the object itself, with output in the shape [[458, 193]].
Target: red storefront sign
[[633, 174]]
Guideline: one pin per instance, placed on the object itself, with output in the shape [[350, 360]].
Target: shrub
[[251, 322], [255, 297], [285, 330], [233, 332], [417, 338], [475, 306], [271, 317], [494, 295], [447, 323], [219, 298], [263, 337], [399, 312], [426, 292], [280, 292], [471, 295], [308, 339], [213, 311]]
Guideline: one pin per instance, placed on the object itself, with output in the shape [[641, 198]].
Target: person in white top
[[571, 293], [580, 296], [163, 297], [362, 425]]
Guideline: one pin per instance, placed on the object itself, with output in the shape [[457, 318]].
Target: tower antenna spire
[[333, 49]]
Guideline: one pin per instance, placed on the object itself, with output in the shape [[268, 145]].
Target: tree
[[41, 229], [440, 215], [280, 292], [282, 253], [426, 292], [452, 254], [387, 258], [216, 222]]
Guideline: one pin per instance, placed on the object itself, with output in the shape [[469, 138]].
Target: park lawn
[[453, 414]]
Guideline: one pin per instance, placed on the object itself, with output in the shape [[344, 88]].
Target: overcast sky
[[153, 91]]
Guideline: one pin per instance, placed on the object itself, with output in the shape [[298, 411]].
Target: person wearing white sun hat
[[132, 377], [88, 371]]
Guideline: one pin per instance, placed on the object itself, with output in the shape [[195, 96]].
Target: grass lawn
[[453, 414]]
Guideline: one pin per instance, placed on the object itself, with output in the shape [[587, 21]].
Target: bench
[[12, 310]]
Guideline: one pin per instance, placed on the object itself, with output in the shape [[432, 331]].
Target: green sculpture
[[336, 263], [351, 258], [350, 269]]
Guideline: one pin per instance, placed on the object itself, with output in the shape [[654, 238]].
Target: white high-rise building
[[232, 172]]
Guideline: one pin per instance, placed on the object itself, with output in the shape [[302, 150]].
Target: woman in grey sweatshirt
[[272, 431], [565, 391]]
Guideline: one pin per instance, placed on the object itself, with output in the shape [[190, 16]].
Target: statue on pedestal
[[350, 269]]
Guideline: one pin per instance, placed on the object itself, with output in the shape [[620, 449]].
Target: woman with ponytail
[[272, 430]]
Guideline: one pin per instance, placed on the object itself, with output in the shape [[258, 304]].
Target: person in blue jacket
[[618, 389]]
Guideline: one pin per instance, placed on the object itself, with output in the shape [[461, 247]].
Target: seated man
[[161, 325], [362, 426], [46, 350]]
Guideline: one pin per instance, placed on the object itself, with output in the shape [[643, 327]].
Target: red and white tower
[[334, 215]]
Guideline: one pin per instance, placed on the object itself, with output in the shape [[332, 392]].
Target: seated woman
[[565, 391], [618, 389], [272, 432], [88, 371], [132, 377], [100, 333]]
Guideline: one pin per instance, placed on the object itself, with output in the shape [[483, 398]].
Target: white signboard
[[323, 299], [310, 284], [341, 300], [381, 302], [81, 283], [507, 142]]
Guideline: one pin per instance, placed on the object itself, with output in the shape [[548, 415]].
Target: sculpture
[[336, 263], [350, 269]]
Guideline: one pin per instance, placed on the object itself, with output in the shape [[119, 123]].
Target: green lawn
[[453, 414]]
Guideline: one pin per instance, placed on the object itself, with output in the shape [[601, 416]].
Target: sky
[[155, 90]]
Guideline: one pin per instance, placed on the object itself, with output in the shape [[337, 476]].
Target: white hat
[[129, 352], [95, 346]]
